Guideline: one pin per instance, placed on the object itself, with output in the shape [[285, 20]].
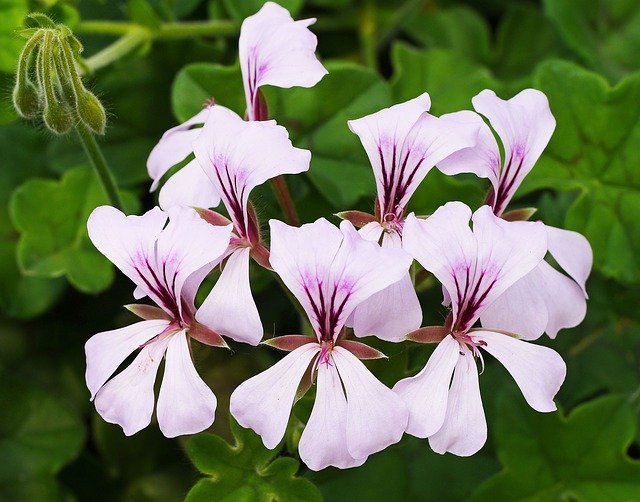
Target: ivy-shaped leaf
[[51, 216], [594, 152], [246, 471], [198, 82], [604, 33], [548, 456]]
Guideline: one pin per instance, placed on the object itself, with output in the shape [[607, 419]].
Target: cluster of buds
[[48, 82]]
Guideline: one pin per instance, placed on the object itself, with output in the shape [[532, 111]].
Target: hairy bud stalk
[[26, 99], [56, 115]]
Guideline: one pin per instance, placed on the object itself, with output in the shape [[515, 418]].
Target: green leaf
[[241, 10], [246, 471], [22, 158], [12, 12], [316, 119], [52, 216], [458, 29], [450, 79], [552, 457], [604, 33], [199, 82], [38, 436], [594, 151]]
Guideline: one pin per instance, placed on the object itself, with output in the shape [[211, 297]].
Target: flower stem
[[99, 164], [281, 190], [121, 47], [367, 33]]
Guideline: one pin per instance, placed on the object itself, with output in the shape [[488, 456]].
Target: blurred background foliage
[[57, 290]]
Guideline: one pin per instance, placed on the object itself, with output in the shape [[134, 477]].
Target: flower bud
[[91, 112], [57, 118], [26, 99]]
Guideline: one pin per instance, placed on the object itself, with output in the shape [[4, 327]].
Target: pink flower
[[273, 50], [403, 143], [166, 264], [237, 156], [548, 300], [475, 268], [330, 271], [276, 50]]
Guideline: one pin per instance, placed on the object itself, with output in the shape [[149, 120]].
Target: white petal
[[426, 393], [127, 399], [539, 371], [230, 309], [324, 439], [264, 402], [573, 253], [107, 350], [464, 430], [190, 186], [186, 404], [376, 416]]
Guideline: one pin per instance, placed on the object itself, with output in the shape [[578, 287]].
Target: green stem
[[99, 164], [121, 47], [367, 32], [197, 29]]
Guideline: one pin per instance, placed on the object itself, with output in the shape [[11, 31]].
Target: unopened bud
[[26, 100], [57, 118], [91, 112]]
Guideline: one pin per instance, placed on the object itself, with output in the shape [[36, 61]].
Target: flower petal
[[376, 416], [186, 404], [276, 50], [230, 309], [127, 399], [126, 240], [175, 145], [237, 156], [324, 439], [525, 125], [190, 186], [544, 300], [481, 159], [573, 253], [539, 371], [426, 393], [464, 430], [264, 402], [404, 142], [107, 350], [332, 270], [185, 246]]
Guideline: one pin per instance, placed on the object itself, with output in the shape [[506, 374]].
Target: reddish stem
[[281, 190]]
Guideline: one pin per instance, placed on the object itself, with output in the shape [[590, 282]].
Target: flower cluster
[[354, 278]]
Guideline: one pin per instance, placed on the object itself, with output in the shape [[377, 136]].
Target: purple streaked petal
[[263, 403], [332, 270], [376, 416], [237, 156], [324, 439], [190, 186], [186, 404], [525, 124], [539, 371], [276, 50], [426, 394], [464, 430]]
